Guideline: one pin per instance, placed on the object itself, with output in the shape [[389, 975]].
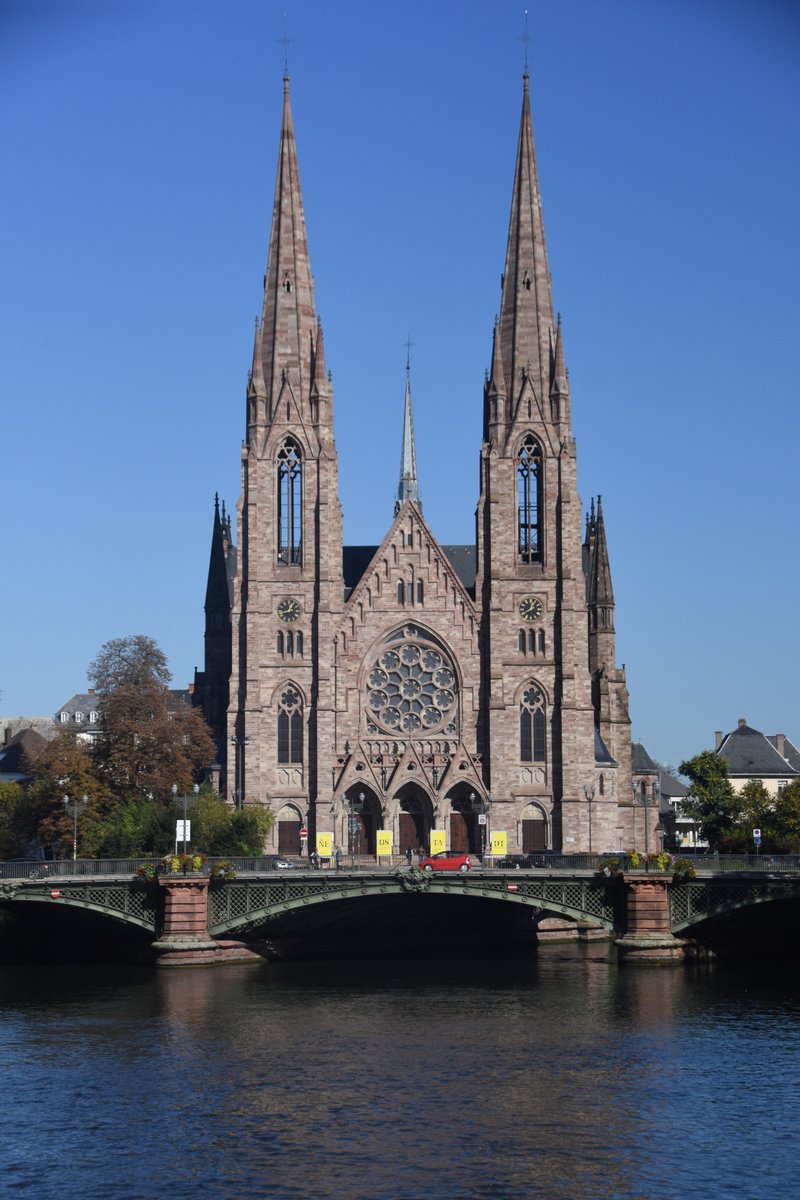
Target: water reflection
[[558, 1076]]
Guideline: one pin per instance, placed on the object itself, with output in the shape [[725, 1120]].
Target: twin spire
[[408, 488]]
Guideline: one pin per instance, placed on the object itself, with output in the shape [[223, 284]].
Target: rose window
[[412, 689]]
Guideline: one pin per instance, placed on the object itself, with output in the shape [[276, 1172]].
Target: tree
[[137, 662], [65, 766], [711, 800], [145, 745], [787, 816]]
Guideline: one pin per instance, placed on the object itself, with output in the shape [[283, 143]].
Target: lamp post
[[353, 827], [239, 743], [75, 809], [588, 791], [188, 802], [480, 807]]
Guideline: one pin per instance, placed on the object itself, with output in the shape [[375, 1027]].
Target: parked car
[[515, 862], [276, 862], [446, 860]]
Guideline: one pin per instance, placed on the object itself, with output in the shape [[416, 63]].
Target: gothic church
[[383, 695]]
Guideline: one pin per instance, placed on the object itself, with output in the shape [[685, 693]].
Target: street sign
[[304, 833], [756, 835], [183, 831], [481, 818]]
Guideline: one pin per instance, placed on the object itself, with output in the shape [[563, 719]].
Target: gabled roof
[[672, 787], [17, 753], [356, 559], [750, 753]]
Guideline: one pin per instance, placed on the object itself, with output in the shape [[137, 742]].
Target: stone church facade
[[413, 687]]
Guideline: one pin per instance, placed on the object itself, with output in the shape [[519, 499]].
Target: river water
[[559, 1076]]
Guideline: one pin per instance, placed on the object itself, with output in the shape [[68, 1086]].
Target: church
[[413, 695]]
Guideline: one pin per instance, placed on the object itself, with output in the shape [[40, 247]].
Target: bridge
[[197, 919]]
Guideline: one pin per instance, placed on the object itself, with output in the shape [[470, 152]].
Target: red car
[[446, 860]]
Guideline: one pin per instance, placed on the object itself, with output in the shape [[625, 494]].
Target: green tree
[[787, 817], [711, 800], [17, 830], [145, 745], [65, 766]]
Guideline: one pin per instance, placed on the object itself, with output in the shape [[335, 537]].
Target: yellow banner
[[324, 844], [438, 840], [383, 841], [499, 842]]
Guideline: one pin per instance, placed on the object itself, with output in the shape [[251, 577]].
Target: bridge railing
[[67, 869]]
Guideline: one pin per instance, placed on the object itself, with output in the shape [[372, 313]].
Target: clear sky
[[138, 145]]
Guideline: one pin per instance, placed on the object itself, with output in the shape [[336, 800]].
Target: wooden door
[[459, 833], [288, 837], [534, 835]]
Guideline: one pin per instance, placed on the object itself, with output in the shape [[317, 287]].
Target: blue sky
[[138, 146]]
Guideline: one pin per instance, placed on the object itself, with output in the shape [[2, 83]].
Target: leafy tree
[[16, 830], [787, 816], [711, 800], [144, 745], [65, 767]]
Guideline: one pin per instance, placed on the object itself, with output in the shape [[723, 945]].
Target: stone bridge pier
[[184, 940], [648, 937]]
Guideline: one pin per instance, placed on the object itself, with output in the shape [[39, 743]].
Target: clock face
[[289, 609], [531, 608]]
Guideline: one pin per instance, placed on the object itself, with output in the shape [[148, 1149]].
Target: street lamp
[[356, 806], [239, 743], [188, 802], [480, 807], [75, 809], [588, 791]]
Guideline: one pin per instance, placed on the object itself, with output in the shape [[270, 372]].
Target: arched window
[[401, 592], [420, 591], [531, 641], [521, 641], [602, 785], [529, 501], [290, 644], [290, 727], [541, 641], [280, 643], [532, 735], [290, 503], [299, 644]]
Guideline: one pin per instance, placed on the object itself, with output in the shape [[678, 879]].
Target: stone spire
[[408, 488], [526, 309], [600, 594], [288, 321]]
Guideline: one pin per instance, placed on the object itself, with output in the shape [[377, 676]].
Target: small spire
[[408, 488]]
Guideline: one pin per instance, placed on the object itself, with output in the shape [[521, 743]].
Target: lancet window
[[532, 725], [290, 503], [529, 501], [290, 726]]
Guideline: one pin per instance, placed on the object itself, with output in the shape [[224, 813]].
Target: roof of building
[[751, 753], [641, 762], [356, 559], [17, 753], [602, 754], [790, 751], [672, 787]]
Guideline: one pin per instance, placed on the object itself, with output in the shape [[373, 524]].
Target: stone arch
[[464, 804], [362, 818], [290, 821], [414, 818], [534, 827]]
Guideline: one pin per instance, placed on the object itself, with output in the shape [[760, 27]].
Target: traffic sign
[[304, 833]]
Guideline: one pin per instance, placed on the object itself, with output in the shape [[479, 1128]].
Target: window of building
[[529, 501], [64, 717], [521, 641], [290, 727], [93, 718], [532, 727], [290, 503], [78, 718]]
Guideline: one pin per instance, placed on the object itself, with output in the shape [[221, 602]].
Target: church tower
[[411, 695], [289, 583], [539, 719]]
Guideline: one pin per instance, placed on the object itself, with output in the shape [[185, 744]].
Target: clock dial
[[531, 608], [289, 609]]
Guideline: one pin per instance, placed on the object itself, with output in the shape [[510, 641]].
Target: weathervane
[[408, 344]]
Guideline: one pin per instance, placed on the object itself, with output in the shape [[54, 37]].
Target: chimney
[[190, 689], [742, 721], [91, 691], [780, 739], [718, 739]]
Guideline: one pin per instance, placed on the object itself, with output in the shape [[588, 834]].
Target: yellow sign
[[438, 840], [324, 844], [383, 841], [499, 842]]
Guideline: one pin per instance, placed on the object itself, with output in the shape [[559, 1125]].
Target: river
[[561, 1076]]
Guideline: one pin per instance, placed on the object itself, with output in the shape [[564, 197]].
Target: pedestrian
[[338, 857], [409, 856]]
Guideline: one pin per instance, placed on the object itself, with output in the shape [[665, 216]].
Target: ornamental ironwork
[[412, 688]]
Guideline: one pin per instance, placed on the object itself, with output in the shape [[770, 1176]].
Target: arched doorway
[[362, 818], [465, 834], [415, 818], [290, 823], [534, 829]]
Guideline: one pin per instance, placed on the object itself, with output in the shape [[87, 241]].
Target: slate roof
[[641, 762], [17, 752], [790, 751], [356, 559], [602, 755], [751, 753], [671, 787]]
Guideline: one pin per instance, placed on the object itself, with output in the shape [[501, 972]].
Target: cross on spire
[[408, 344], [526, 39], [286, 42]]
